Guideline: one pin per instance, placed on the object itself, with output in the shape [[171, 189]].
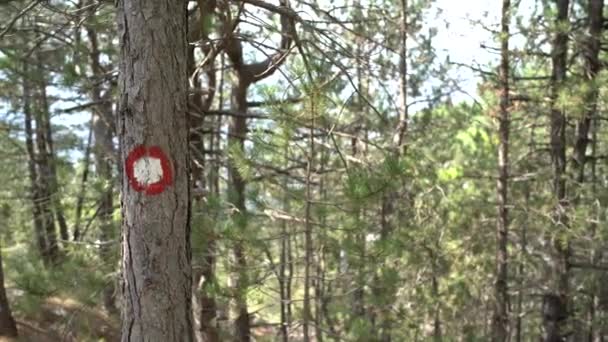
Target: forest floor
[[66, 320]]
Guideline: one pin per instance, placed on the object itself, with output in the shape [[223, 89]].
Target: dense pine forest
[[303, 170]]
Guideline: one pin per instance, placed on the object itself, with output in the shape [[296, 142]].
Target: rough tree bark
[[556, 301], [500, 321], [156, 254]]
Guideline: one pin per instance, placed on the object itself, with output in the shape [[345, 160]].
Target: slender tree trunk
[[308, 242], [83, 184], [519, 327], [245, 76], [49, 160], [236, 139], [399, 143], [8, 327], [320, 256], [203, 282], [104, 154], [44, 172], [284, 282], [35, 195], [153, 131], [592, 68], [556, 303], [500, 326], [358, 258], [403, 110], [436, 311]]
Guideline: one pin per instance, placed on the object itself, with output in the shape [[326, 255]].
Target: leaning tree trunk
[[156, 254]]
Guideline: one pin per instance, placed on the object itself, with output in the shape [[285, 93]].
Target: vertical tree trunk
[[44, 172], [387, 205], [358, 258], [403, 110], [519, 327], [245, 76], [206, 306], [153, 131], [592, 66], [8, 327], [49, 158], [83, 184], [556, 302], [35, 194], [500, 322], [236, 139], [437, 330], [284, 281], [103, 148], [308, 242]]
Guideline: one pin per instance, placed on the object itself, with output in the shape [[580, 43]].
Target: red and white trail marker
[[148, 170]]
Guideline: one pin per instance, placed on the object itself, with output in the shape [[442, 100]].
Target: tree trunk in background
[[285, 258], [7, 322], [35, 194], [387, 206], [592, 68], [556, 303], [52, 180], [156, 254], [103, 148], [403, 109], [44, 172], [205, 306], [237, 133], [308, 238], [245, 76], [500, 321]]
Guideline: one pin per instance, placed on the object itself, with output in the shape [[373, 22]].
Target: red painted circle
[[142, 151]]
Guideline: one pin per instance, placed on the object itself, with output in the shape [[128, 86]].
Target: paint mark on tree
[[148, 170]]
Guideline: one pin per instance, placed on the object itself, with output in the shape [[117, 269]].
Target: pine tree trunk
[[8, 327], [556, 303], [237, 134], [246, 74], [156, 254], [103, 147], [500, 331], [49, 159], [592, 68], [44, 172], [35, 194]]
